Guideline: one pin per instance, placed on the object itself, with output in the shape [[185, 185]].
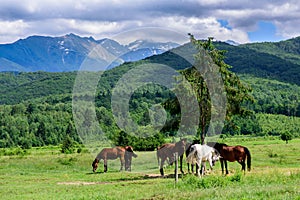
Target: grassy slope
[[47, 174]]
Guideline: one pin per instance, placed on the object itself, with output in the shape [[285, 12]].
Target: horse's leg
[[162, 166], [181, 170], [105, 165], [199, 163], [129, 164], [225, 162], [197, 167], [203, 168], [222, 165], [122, 162], [242, 162]]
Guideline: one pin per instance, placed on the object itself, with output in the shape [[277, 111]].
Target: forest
[[36, 107]]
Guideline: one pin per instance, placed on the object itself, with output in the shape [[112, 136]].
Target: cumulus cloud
[[103, 18]]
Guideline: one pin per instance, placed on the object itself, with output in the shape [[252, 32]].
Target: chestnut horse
[[123, 153], [166, 151], [232, 153]]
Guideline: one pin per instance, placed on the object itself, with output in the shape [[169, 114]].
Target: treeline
[[273, 97], [27, 125], [31, 124]]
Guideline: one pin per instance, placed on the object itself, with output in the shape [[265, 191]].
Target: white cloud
[[11, 30], [103, 18]]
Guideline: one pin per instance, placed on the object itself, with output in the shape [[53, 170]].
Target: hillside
[[266, 60], [36, 107]]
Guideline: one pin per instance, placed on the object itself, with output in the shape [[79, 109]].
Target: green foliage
[[278, 124], [210, 181], [67, 145], [278, 61], [273, 97], [237, 93], [36, 107], [14, 152], [149, 143], [286, 136], [242, 125], [18, 87]]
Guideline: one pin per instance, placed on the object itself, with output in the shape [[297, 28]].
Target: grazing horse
[[187, 152], [166, 151], [231, 154], [199, 154], [123, 153]]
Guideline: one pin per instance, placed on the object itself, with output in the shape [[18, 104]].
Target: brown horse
[[166, 151], [123, 153], [232, 153]]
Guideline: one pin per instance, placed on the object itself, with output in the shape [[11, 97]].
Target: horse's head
[[95, 164], [129, 149], [181, 145], [215, 156]]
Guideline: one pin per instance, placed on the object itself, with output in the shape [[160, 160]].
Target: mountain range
[[274, 60], [66, 53]]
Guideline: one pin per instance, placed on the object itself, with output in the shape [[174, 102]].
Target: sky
[[242, 21]]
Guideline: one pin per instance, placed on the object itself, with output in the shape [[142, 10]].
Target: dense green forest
[[36, 107], [46, 120]]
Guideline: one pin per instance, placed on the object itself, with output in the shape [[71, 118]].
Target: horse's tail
[[190, 157], [248, 158]]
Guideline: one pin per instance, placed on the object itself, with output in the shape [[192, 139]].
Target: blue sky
[[266, 31], [242, 21]]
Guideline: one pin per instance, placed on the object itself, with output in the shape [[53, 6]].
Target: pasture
[[45, 173]]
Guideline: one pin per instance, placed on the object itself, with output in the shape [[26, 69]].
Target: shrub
[[68, 145], [286, 136]]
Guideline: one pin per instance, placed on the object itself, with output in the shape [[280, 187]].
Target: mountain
[[231, 42], [66, 53], [273, 60]]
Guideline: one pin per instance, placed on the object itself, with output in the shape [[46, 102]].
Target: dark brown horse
[[166, 151], [123, 153], [232, 153]]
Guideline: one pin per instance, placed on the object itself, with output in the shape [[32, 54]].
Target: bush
[[68, 145], [286, 136], [149, 143]]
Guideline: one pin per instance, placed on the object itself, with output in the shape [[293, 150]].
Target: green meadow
[[45, 173]]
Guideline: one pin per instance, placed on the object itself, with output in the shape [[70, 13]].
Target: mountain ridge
[[66, 53]]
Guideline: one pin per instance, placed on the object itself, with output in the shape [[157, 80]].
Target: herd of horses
[[196, 155]]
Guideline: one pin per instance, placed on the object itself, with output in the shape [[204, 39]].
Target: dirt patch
[[83, 183], [145, 177]]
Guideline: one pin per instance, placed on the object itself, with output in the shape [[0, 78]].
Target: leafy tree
[[286, 136], [68, 145], [237, 92]]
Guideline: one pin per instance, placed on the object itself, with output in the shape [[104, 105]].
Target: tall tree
[[236, 92]]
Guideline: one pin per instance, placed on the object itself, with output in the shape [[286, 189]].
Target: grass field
[[45, 173]]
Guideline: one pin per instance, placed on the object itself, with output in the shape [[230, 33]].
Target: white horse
[[199, 154]]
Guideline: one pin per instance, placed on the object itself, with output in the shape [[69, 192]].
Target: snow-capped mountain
[[66, 53], [231, 42]]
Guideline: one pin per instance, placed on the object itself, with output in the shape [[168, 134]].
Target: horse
[[123, 153], [199, 154], [187, 152], [166, 151], [233, 153], [128, 157]]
